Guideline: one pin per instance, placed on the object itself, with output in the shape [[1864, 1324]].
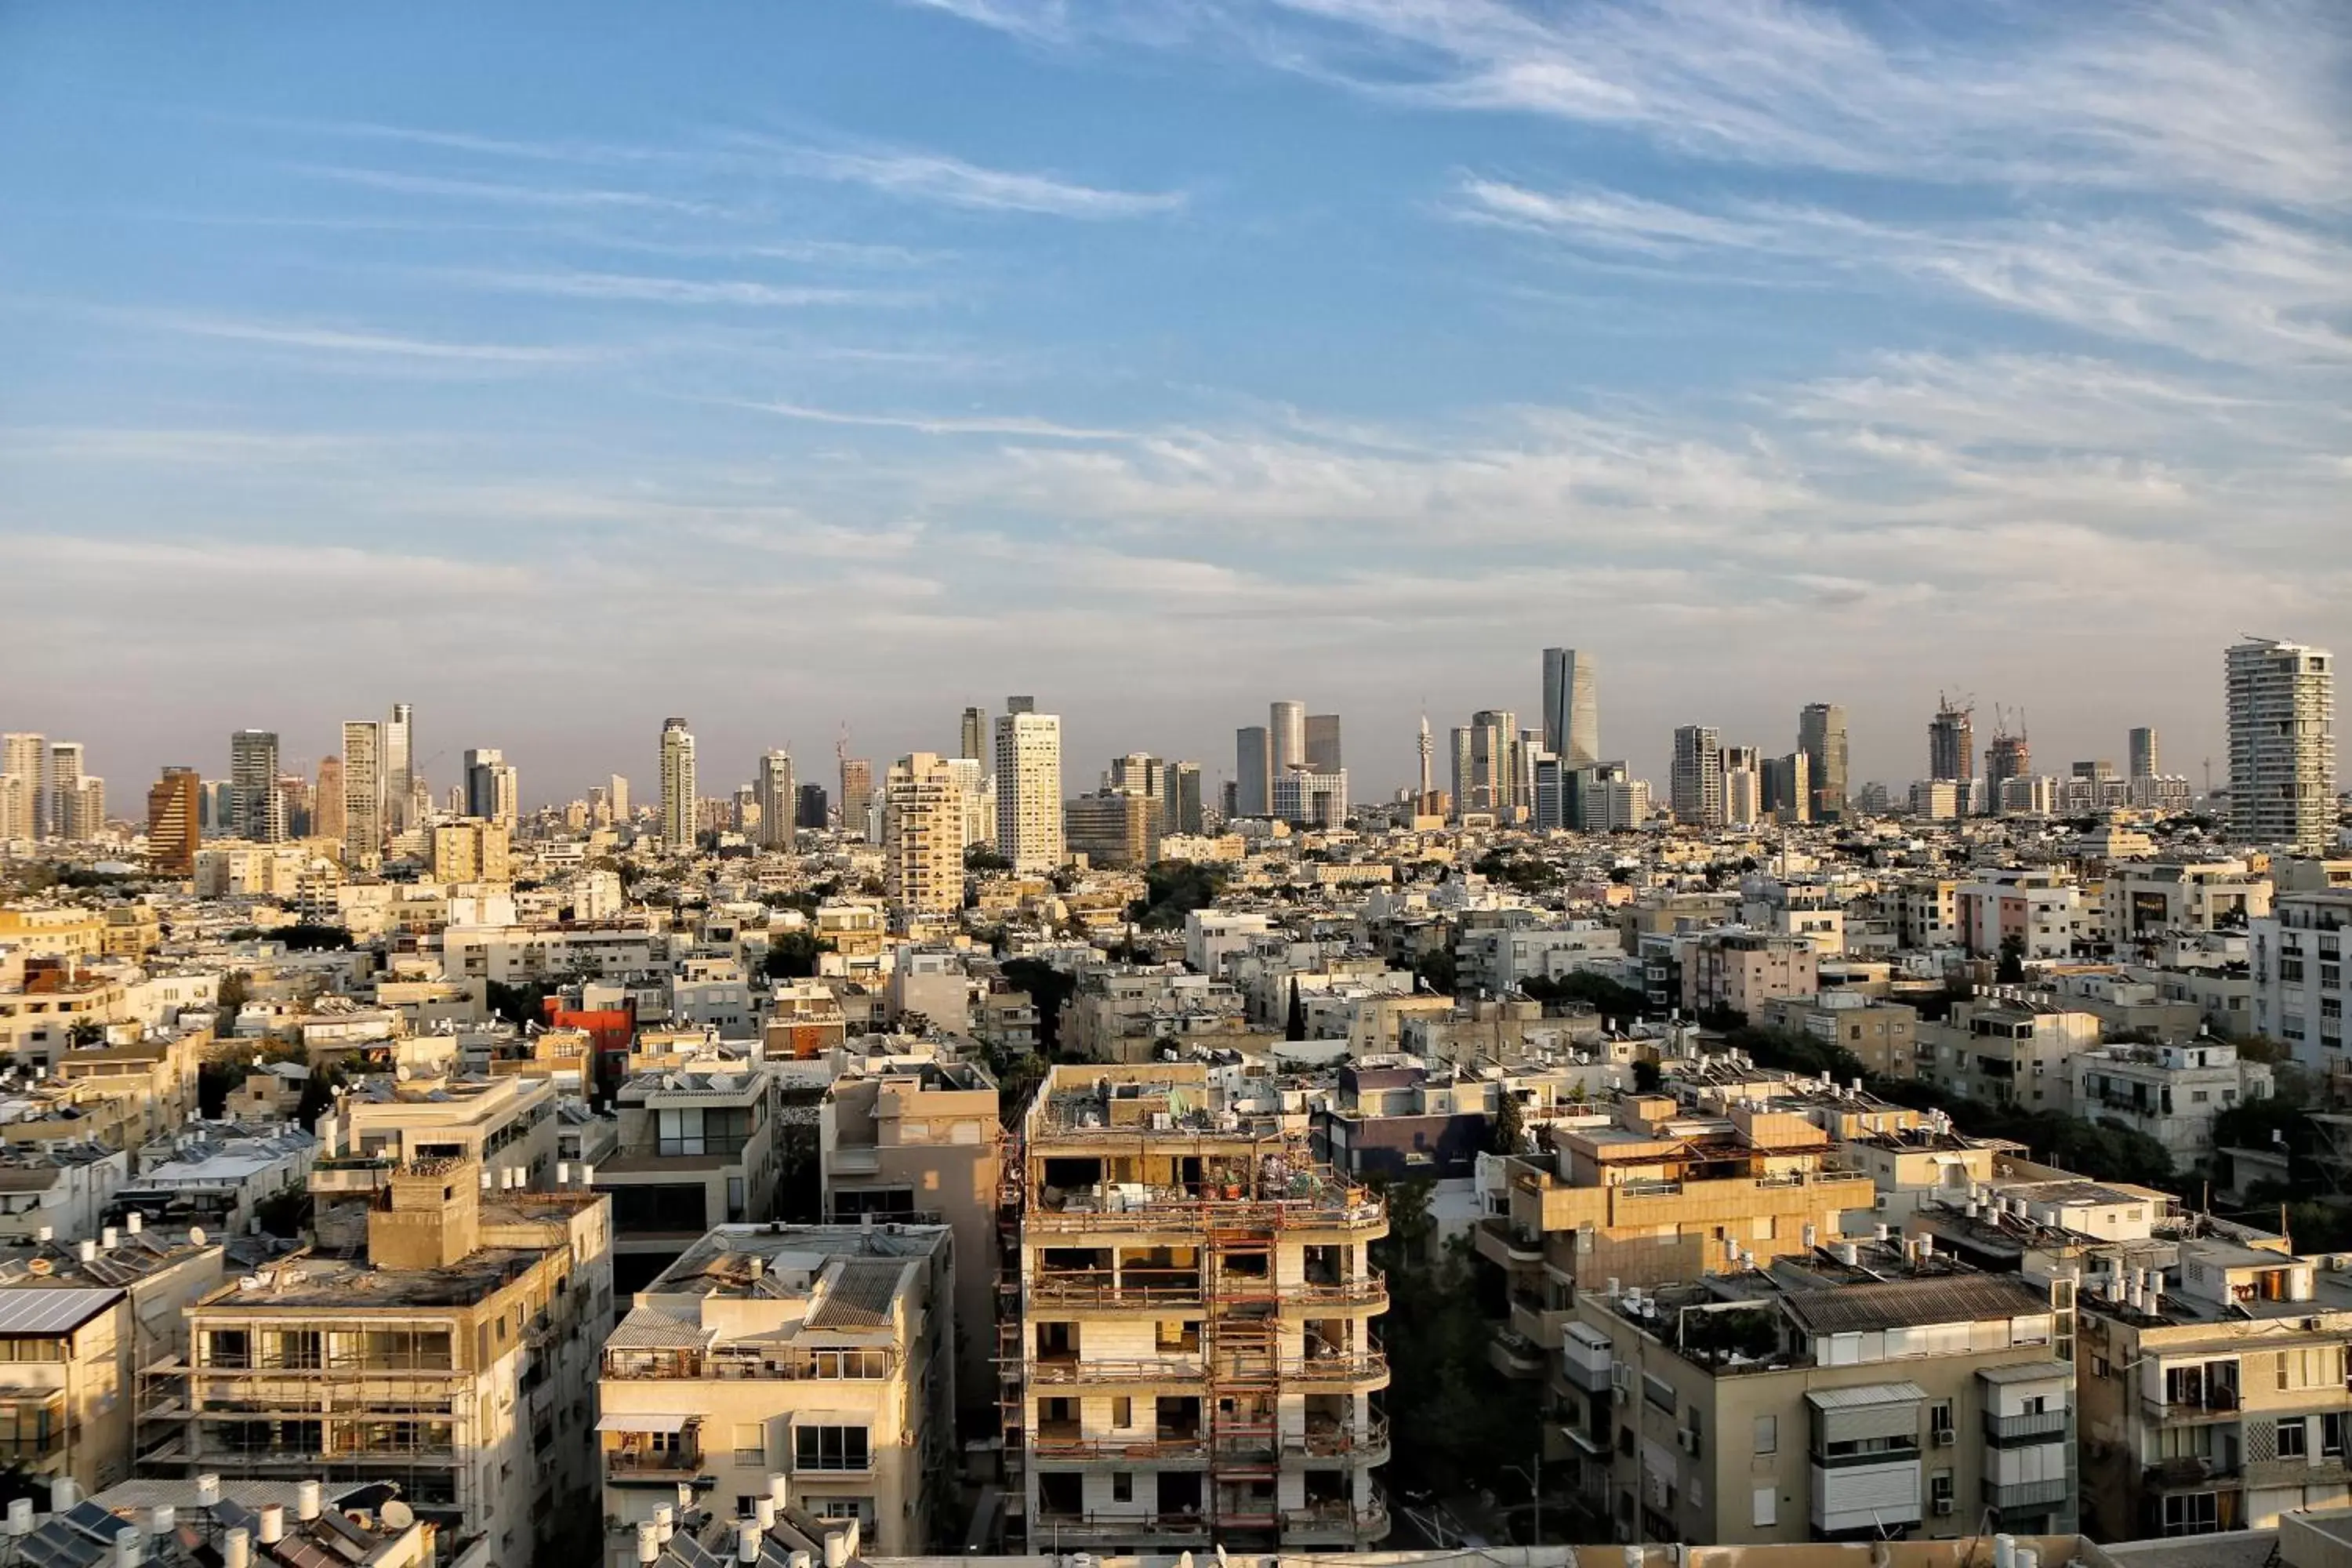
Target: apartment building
[[2006, 1048], [1860, 1392], [2297, 957], [1661, 1191], [2040, 907], [2214, 1393], [1115, 1016], [506, 1124], [627, 950], [923, 824], [1882, 1035], [459, 1359], [1742, 969], [924, 1142], [1191, 1344], [699, 1148], [2172, 1093], [59, 1188], [1113, 829], [2142, 900], [822, 1352], [46, 1001], [53, 933], [81, 1321]]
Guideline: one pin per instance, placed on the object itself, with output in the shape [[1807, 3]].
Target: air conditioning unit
[[1943, 1506], [1947, 1435]]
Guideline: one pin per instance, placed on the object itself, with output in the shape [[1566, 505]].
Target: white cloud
[[639, 289], [363, 342], [918, 175]]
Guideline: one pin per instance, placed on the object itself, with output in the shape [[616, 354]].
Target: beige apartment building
[[1882, 1035], [1742, 969], [820, 1352], [2213, 1378], [699, 1148], [924, 1143], [53, 933], [1190, 1349], [505, 1124], [459, 1359], [470, 850], [1854, 1393], [44, 1000], [2006, 1048], [1661, 1192], [922, 839]]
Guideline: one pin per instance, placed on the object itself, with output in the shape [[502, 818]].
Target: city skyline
[[1036, 344]]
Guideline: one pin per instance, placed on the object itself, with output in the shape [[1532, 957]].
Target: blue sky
[[559, 367]]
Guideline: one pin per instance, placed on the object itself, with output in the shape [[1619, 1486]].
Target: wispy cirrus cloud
[[361, 342], [643, 289], [567, 197], [915, 174], [944, 424]]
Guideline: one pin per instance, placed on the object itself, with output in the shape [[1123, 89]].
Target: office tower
[[779, 800], [2007, 757], [15, 808], [1029, 788], [815, 810], [173, 831], [1185, 811], [1951, 743], [1458, 739], [678, 784], [1228, 801], [294, 804], [1252, 772], [975, 734], [1323, 753], [1285, 729], [1695, 788], [85, 808], [1423, 748], [922, 839], [2282, 706], [2143, 753], [1111, 830], [399, 752], [1527, 747], [1020, 705], [1571, 707], [362, 790], [1821, 735], [1311, 799], [25, 758], [1493, 773], [1787, 793], [65, 787], [492, 790], [1743, 786], [1548, 803], [1141, 774], [978, 800], [252, 777], [857, 795], [327, 811], [616, 793]]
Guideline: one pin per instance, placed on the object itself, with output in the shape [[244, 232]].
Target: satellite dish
[[396, 1515], [196, 1235]]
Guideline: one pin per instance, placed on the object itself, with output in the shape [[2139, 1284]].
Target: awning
[[644, 1423]]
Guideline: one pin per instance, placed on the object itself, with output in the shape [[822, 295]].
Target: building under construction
[[1189, 1354]]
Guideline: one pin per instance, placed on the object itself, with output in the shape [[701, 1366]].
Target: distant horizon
[[559, 368]]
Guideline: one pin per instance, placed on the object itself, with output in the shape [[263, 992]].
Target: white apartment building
[[2297, 957], [678, 784], [2172, 1093], [2041, 907], [2281, 705], [1029, 790]]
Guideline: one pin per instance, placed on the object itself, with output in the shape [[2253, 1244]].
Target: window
[[1767, 1436], [1122, 1411], [848, 1364], [2195, 1513], [2293, 1438], [1940, 1488], [1122, 1486], [1939, 1416], [2331, 1435], [860, 1509], [752, 1444], [831, 1448], [1767, 1509]]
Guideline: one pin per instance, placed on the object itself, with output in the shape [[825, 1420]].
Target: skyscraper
[[1286, 729], [399, 775], [2144, 759], [1695, 790], [1788, 787], [492, 789], [1029, 788], [1493, 770], [975, 734], [1743, 785], [2007, 757], [1571, 707], [327, 818], [1252, 772], [815, 812], [1184, 806], [363, 791], [1141, 773], [922, 839], [24, 759], [1951, 744], [857, 795], [2281, 705], [64, 788], [252, 784], [616, 796], [1821, 735], [1323, 755], [172, 833], [678, 784], [779, 800]]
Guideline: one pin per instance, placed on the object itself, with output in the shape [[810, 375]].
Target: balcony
[[1336, 1520], [1586, 1358], [2024, 1496], [1537, 1321], [1506, 1245], [1068, 1528], [2190, 1472], [1137, 1290], [2014, 1431], [1371, 1367], [1066, 1441], [2211, 1404], [1515, 1355], [1366, 1444], [683, 1463], [1153, 1369]]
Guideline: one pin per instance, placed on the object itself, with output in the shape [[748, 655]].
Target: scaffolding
[[1011, 1387]]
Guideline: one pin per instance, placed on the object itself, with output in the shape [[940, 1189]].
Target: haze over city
[[558, 368]]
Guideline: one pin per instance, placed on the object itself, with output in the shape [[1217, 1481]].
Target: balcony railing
[[653, 1464], [1103, 1290], [2023, 1495], [2043, 1427], [1371, 1522], [1067, 1443], [2194, 1470]]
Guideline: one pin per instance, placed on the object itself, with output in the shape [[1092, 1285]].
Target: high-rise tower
[[1952, 742], [778, 794], [678, 784], [399, 768], [1286, 729], [2144, 759], [173, 834], [362, 790], [254, 812], [1697, 783], [1571, 707], [1029, 788], [24, 764], [1821, 735], [2282, 704]]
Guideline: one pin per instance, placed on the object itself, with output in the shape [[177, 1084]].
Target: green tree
[[306, 938], [1437, 970], [985, 858], [2011, 971], [1048, 989], [1506, 1132], [792, 956], [1294, 1028]]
